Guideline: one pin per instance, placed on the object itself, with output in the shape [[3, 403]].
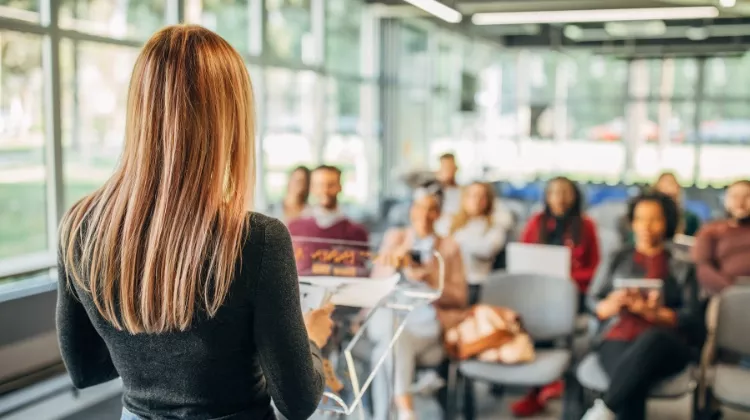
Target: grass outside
[[23, 217]]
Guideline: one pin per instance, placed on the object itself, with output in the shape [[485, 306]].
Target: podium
[[353, 372]]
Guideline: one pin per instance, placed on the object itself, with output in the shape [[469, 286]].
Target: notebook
[[548, 260]]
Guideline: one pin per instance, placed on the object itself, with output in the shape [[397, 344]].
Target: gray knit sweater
[[229, 366]]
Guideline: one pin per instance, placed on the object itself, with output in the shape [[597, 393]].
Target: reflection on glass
[[94, 91], [117, 19], [22, 170], [228, 18], [343, 24], [597, 76], [414, 61], [27, 10], [288, 30], [290, 126]]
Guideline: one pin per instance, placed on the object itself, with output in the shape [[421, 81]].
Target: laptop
[[548, 260]]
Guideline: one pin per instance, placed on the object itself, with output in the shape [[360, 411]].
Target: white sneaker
[[406, 415], [599, 411], [428, 383]]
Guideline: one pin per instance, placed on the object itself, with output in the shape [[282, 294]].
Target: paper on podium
[[351, 291]]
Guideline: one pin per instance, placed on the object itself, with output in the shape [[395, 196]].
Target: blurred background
[[606, 92]]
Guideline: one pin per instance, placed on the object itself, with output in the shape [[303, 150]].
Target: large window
[[229, 18], [116, 19], [343, 25], [290, 126], [95, 80], [23, 223], [289, 30]]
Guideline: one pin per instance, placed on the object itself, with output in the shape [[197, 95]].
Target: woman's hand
[[612, 304], [319, 325]]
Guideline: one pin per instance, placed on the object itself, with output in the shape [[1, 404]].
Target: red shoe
[[551, 391], [528, 406]]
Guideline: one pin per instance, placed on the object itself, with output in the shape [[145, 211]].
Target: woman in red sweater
[[563, 223]]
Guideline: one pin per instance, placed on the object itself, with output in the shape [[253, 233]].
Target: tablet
[[643, 284]]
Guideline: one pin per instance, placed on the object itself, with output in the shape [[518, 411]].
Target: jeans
[[634, 366]]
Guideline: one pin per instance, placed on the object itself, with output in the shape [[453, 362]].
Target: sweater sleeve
[[291, 363], [590, 260], [709, 275], [83, 350], [530, 233], [488, 245]]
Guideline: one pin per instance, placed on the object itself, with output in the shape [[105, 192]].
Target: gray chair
[[731, 383], [548, 308], [608, 215]]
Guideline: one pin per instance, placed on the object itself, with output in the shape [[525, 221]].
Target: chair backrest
[[608, 215], [731, 326], [609, 241], [547, 305]]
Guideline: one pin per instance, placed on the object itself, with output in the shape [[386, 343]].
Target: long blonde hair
[[163, 236], [462, 217]]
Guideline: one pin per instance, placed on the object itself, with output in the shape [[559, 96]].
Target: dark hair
[[305, 170], [434, 189], [574, 216], [668, 207], [328, 168], [301, 168], [445, 156]]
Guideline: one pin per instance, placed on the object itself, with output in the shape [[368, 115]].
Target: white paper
[[353, 291], [312, 297]]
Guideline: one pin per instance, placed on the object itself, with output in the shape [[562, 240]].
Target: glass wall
[[312, 66]]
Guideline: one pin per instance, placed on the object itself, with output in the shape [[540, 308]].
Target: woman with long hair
[[667, 184], [479, 236], [294, 204], [563, 223], [166, 279], [646, 335]]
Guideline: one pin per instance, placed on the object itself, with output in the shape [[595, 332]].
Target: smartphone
[[416, 256]]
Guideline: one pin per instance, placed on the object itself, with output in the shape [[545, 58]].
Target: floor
[[489, 408]]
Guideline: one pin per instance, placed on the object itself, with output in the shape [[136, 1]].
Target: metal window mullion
[[700, 83], [174, 12], [53, 122], [257, 21]]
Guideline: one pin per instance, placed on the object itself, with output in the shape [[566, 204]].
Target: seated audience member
[[421, 340], [667, 184], [647, 335], [479, 234], [446, 175], [562, 222], [294, 204], [326, 229], [722, 248]]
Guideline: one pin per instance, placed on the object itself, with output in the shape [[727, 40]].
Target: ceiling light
[[696, 33], [727, 3], [438, 9], [596, 15]]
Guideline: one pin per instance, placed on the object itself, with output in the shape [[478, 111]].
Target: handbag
[[490, 334]]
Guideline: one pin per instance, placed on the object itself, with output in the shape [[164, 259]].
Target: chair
[[609, 241], [609, 215], [548, 308], [731, 382]]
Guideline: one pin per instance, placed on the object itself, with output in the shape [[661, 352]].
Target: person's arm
[[83, 350], [590, 262], [291, 363], [530, 234], [601, 285], [703, 251], [487, 246], [455, 292]]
